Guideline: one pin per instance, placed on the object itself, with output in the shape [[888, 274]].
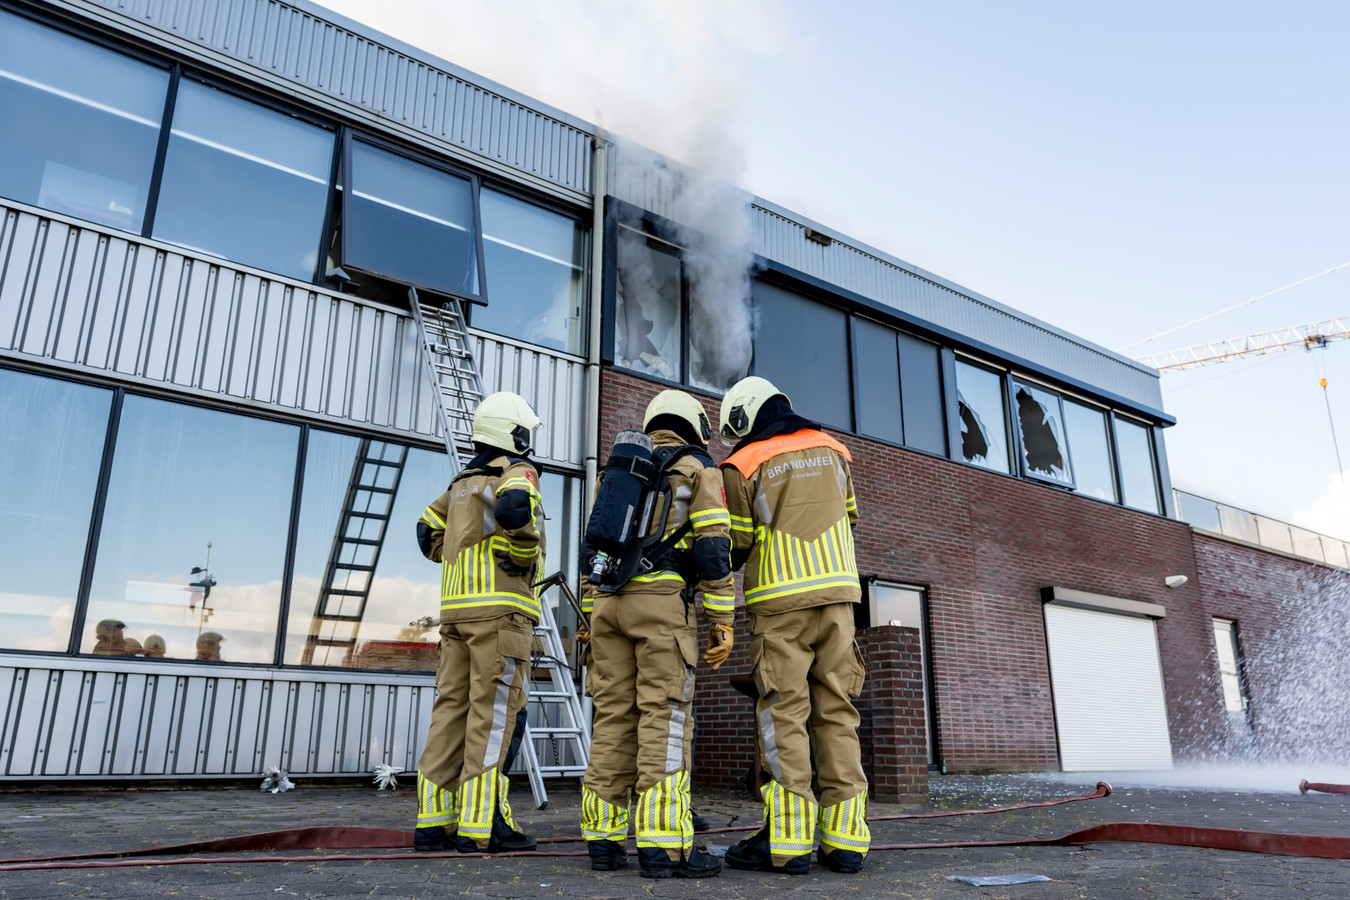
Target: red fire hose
[[1305, 785], [359, 838]]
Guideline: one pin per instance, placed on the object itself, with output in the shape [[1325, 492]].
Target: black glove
[[510, 566]]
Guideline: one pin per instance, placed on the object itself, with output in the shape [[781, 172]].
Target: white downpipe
[[592, 442]]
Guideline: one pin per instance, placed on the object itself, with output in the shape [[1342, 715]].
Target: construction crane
[[1318, 334]]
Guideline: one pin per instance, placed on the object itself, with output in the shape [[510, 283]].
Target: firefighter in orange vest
[[643, 646], [487, 531], [790, 495]]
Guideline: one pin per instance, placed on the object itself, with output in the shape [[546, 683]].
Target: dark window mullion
[[475, 187], [326, 234], [1116, 474], [161, 152], [96, 522], [293, 534], [686, 343], [855, 398]]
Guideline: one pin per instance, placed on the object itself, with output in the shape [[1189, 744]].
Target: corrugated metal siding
[[635, 176], [95, 300], [348, 69], [81, 719]]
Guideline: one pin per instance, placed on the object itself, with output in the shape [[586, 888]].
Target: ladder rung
[[554, 731]]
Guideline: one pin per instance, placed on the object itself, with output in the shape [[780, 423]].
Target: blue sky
[[1116, 170]]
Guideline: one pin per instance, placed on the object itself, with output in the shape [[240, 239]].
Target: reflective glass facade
[[195, 526], [81, 124], [244, 182], [983, 417], [537, 262]]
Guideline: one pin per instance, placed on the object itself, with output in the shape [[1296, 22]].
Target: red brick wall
[[983, 545], [894, 727]]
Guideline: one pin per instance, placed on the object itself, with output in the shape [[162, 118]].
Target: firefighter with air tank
[[789, 493], [487, 531], [659, 530]]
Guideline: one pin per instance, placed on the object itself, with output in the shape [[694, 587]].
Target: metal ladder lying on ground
[[447, 357]]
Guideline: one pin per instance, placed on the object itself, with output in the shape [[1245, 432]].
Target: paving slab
[[58, 820]]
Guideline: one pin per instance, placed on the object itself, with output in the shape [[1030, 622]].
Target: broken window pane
[[647, 327], [1138, 476], [979, 406], [1040, 424], [1090, 453]]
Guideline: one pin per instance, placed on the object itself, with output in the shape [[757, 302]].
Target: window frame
[[1012, 380], [1156, 470], [954, 440], [349, 137]]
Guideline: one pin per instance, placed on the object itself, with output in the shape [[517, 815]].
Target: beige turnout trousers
[[807, 669], [481, 678], [643, 652]]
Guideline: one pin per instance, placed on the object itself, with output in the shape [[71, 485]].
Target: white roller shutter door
[[1110, 710]]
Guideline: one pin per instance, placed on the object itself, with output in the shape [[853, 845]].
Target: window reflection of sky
[[980, 392], [182, 477], [49, 472]]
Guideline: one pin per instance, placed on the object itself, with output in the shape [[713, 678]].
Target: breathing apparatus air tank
[[617, 517]]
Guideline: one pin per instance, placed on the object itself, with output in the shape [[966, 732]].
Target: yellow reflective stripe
[[434, 805], [601, 820], [851, 504], [661, 575], [706, 517], [432, 519], [844, 825], [719, 602], [741, 523], [784, 589], [517, 484], [527, 605], [791, 820], [663, 818]]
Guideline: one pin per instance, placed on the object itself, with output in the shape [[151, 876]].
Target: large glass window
[[193, 539], [802, 347], [244, 183], [1086, 428], [49, 462], [363, 595], [78, 124], [648, 326], [536, 263], [980, 408], [1040, 429], [921, 390], [408, 221], [1138, 475], [877, 368]]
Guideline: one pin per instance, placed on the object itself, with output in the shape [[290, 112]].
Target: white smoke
[[666, 76]]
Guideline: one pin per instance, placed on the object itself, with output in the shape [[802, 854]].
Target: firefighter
[[790, 496], [487, 531], [643, 646]]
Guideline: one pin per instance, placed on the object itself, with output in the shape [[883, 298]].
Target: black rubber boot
[[701, 823], [655, 863], [606, 855], [433, 839], [753, 854], [504, 840], [843, 861]]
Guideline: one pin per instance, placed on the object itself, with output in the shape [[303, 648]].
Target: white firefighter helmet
[[681, 405], [505, 421], [742, 403]]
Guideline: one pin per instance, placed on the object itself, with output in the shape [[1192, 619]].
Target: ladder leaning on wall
[[559, 734]]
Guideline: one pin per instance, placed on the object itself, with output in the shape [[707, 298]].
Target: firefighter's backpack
[[619, 532]]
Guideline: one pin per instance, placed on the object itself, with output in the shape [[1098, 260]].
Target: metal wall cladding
[[78, 719], [348, 69], [784, 241], [99, 301]]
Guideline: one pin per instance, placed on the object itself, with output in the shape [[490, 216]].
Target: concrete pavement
[[43, 822]]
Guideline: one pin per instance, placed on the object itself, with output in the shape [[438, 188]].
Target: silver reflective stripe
[[675, 736], [489, 497], [769, 737], [499, 705], [763, 513], [681, 506], [843, 481]]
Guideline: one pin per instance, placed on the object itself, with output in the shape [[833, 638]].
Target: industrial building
[[217, 219]]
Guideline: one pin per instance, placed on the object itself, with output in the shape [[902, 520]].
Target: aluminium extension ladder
[[560, 736]]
